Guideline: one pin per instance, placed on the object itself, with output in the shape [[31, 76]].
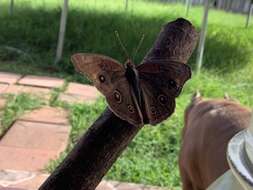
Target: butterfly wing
[[124, 104], [161, 84], [108, 75], [103, 71]]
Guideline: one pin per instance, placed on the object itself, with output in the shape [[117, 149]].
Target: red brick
[[32, 184], [41, 136], [12, 177], [9, 78], [10, 188], [35, 183], [79, 93], [41, 81], [18, 89], [24, 159], [104, 185], [73, 98], [47, 115], [82, 90], [132, 186], [128, 186], [29, 146], [3, 87]]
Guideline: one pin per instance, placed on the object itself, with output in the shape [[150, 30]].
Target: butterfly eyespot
[[117, 96], [101, 78], [153, 110], [162, 99], [172, 84], [130, 108]]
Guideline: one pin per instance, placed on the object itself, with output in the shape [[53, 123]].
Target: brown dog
[[209, 125]]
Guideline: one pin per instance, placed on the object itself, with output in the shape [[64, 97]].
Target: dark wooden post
[[98, 149]]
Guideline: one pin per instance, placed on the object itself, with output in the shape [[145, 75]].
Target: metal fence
[[241, 6], [233, 5]]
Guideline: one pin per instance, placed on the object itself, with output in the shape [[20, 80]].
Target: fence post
[[11, 8], [219, 4], [126, 5], [201, 46], [187, 7], [63, 22], [249, 14]]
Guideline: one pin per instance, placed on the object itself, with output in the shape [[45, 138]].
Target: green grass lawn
[[152, 157]]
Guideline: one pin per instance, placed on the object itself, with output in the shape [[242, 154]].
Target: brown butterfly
[[142, 94]]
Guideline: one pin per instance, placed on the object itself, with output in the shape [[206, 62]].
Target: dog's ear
[[226, 96], [230, 98], [196, 97]]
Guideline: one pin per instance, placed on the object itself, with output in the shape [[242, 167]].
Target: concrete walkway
[[41, 135]]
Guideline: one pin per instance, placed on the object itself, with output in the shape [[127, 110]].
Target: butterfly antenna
[[121, 44], [139, 46]]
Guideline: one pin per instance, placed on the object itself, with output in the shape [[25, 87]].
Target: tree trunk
[[98, 149]]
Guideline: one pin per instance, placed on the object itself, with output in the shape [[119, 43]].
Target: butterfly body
[[132, 77], [142, 94]]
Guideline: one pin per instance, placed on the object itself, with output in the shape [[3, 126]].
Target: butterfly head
[[131, 72], [129, 64]]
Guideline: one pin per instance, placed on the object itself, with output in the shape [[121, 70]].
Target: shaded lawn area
[[33, 30]]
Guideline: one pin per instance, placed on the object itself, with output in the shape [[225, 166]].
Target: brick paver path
[[79, 93], [9, 78], [3, 87], [50, 115], [30, 145], [46, 82], [40, 135], [18, 89]]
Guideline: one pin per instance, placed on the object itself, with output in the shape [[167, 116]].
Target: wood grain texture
[[106, 139], [175, 42]]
